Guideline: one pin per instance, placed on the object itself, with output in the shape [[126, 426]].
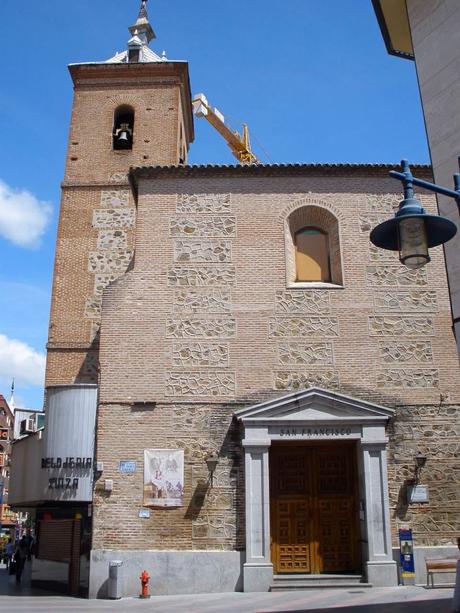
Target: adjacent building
[[256, 378], [27, 421], [427, 32], [9, 519], [52, 480]]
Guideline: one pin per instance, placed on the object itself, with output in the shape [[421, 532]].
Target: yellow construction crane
[[238, 143]]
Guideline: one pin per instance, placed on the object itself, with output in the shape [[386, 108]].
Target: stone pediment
[[314, 405]]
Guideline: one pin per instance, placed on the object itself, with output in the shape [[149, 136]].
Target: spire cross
[[143, 9], [142, 25]]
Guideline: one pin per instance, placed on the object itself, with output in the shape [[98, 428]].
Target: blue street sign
[[127, 466]]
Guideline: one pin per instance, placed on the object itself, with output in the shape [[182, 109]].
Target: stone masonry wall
[[204, 324], [434, 431]]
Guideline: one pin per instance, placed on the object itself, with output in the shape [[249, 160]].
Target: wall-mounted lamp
[[420, 461], [211, 462]]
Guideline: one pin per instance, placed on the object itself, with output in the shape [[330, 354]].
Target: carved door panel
[[336, 545], [313, 510], [293, 530], [290, 487], [335, 491]]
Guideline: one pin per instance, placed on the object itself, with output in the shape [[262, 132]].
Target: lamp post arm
[[445, 191], [408, 181]]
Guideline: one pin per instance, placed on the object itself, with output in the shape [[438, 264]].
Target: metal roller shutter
[[55, 540]]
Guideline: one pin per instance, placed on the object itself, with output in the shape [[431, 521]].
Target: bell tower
[[133, 109]]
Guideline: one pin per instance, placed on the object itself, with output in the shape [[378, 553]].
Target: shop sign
[[128, 466], [68, 462], [73, 463], [3, 434]]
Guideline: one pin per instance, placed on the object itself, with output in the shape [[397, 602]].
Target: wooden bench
[[439, 565]]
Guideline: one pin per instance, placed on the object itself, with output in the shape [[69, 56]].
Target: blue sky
[[311, 78]]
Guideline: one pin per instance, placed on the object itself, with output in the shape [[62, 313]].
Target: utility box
[[406, 549], [115, 587]]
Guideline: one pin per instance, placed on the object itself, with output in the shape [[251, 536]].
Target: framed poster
[[163, 477]]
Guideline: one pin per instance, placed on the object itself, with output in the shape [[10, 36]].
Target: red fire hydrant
[[145, 585]]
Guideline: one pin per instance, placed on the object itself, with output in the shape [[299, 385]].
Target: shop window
[[313, 255]]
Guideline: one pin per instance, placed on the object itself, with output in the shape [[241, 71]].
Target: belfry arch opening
[[123, 128]]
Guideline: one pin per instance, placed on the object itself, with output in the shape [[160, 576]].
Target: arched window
[[312, 255], [123, 128]]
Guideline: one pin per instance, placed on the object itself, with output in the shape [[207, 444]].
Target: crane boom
[[239, 143]]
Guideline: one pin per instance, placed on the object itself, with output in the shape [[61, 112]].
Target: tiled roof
[[146, 55], [272, 169]]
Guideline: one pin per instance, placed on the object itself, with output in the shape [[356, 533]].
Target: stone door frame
[[318, 415]]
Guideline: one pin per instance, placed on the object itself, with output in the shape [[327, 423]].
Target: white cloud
[[23, 218], [21, 362]]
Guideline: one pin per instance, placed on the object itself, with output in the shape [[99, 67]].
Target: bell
[[123, 138]]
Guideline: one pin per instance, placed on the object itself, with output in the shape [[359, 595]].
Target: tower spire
[[138, 45], [11, 403], [142, 28]]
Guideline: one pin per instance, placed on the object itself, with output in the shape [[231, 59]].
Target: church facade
[[266, 377]]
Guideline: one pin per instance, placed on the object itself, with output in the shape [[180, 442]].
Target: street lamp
[[211, 462], [413, 231]]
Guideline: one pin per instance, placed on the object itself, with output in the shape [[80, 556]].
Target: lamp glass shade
[[211, 462], [420, 460], [413, 243]]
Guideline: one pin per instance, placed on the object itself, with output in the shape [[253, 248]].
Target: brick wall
[[204, 324], [97, 216]]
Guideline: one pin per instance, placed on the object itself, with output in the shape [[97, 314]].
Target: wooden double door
[[313, 508]]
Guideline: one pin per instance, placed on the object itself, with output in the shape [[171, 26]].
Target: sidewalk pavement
[[417, 599]]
